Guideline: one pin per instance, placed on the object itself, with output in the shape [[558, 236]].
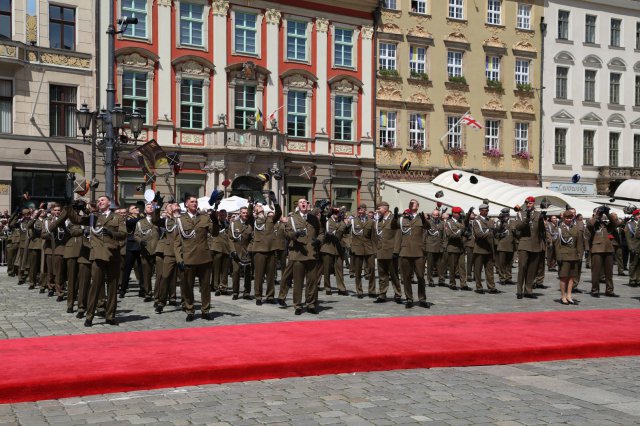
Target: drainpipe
[[94, 131], [543, 32]]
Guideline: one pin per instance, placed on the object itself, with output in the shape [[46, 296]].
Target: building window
[[390, 4], [62, 111], [297, 114], [191, 24], [419, 6], [562, 74], [493, 12], [191, 104], [6, 106], [561, 146], [614, 139], [522, 137], [245, 106], [522, 71], [343, 47], [492, 68], [5, 19], [563, 24], [491, 135], [614, 88], [636, 151], [417, 131], [590, 29], [588, 137], [454, 63], [134, 93], [456, 9], [616, 26], [387, 57], [296, 41], [590, 85], [136, 9], [245, 32], [418, 60], [343, 122], [455, 132], [388, 128], [62, 27], [523, 18], [637, 35], [637, 91], [42, 186]]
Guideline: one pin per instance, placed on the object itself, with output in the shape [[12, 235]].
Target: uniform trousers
[[131, 256], [203, 272], [235, 277], [634, 268], [148, 265], [618, 259], [336, 262], [103, 272], [286, 280], [359, 262], [388, 271], [539, 280], [220, 272], [264, 263], [59, 266], [527, 270], [159, 269], [435, 264], [304, 272], [84, 283], [34, 266], [409, 266], [72, 280], [485, 261], [48, 278], [12, 249], [457, 266], [469, 263], [170, 274], [552, 263], [505, 264], [601, 264]]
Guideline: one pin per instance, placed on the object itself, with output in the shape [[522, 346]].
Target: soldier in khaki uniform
[[454, 229], [159, 254], [170, 271], [601, 237], [505, 237], [363, 250], [240, 233], [55, 233], [146, 235], [387, 234], [618, 235], [530, 225], [12, 249], [19, 223], [264, 260], [483, 255], [193, 255], [304, 233], [84, 266], [632, 234], [72, 249], [220, 247], [107, 230], [35, 228], [332, 252], [569, 249], [434, 248], [412, 226]]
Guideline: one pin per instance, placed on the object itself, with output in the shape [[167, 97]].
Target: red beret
[[456, 210], [635, 212], [407, 211], [530, 199]]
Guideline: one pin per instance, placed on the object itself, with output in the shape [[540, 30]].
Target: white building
[[591, 120]]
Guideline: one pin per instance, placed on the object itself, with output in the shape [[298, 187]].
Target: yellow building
[[440, 60]]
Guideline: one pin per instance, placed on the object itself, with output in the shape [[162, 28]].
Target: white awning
[[629, 190], [466, 194]]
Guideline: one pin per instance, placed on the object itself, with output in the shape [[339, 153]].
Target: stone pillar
[[322, 26], [165, 116], [273, 57], [220, 10], [367, 82]]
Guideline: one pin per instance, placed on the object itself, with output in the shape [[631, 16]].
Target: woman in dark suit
[[569, 249]]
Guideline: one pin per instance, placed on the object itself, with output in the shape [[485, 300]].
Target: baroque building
[[591, 123], [47, 69], [437, 61], [242, 88]]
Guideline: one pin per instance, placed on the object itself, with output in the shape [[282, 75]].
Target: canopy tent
[[629, 190], [466, 194]]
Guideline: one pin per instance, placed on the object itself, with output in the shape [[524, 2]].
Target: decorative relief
[[457, 25], [523, 106], [166, 3], [456, 99], [264, 142], [6, 50], [296, 146], [391, 15], [493, 105], [367, 32], [32, 56], [192, 139], [298, 81], [4, 189], [273, 16], [344, 86], [494, 41], [524, 46], [136, 60], [419, 98], [390, 28], [322, 25], [495, 30], [220, 7], [389, 156], [141, 137], [457, 37], [419, 31], [65, 60], [525, 34], [32, 28], [389, 91], [343, 149], [194, 68]]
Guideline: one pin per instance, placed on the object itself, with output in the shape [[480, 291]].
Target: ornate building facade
[[242, 88], [47, 69], [591, 124], [438, 60]]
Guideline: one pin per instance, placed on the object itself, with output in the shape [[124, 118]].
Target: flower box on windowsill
[[493, 154], [523, 155], [389, 74], [456, 152], [494, 86]]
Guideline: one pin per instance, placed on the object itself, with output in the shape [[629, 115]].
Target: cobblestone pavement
[[596, 391]]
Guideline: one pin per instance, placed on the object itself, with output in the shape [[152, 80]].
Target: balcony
[[11, 54], [249, 140]]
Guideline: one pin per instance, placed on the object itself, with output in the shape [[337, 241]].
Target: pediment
[[564, 58], [636, 66], [592, 117], [616, 120], [635, 124], [562, 116], [592, 61]]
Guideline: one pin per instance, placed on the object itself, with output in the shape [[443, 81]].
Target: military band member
[[56, 235], [264, 259], [363, 251], [35, 229], [434, 248], [412, 226], [193, 255], [332, 252], [569, 249], [387, 236], [454, 229], [530, 225], [483, 250], [132, 254], [220, 247], [601, 236], [552, 230], [632, 234], [240, 233], [505, 237], [170, 270], [146, 235]]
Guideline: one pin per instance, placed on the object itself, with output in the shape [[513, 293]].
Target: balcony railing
[[246, 139]]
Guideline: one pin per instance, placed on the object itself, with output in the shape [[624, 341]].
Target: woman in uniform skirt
[[569, 249]]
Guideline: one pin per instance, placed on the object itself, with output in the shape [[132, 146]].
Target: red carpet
[[56, 367]]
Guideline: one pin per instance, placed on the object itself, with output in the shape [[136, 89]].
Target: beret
[[456, 210]]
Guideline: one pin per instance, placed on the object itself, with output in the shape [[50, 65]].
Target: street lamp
[[136, 121], [84, 116]]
